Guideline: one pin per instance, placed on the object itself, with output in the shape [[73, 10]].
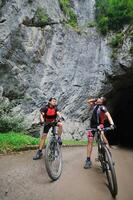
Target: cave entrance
[[122, 113]]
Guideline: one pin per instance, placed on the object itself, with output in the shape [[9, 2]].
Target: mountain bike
[[53, 155], [105, 158]]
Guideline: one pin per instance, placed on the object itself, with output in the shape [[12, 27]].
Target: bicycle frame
[[100, 141]]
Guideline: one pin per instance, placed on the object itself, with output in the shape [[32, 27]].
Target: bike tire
[[110, 172], [53, 175]]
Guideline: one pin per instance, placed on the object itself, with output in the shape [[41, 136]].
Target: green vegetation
[[12, 141], [117, 40], [113, 14], [42, 16], [9, 122], [15, 141], [68, 12], [16, 93], [74, 142]]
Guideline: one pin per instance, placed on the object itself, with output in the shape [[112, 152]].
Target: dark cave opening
[[122, 108]]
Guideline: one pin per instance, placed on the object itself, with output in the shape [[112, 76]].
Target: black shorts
[[46, 128], [48, 125], [92, 133]]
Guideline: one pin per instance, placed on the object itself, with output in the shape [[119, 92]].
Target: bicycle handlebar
[[102, 129], [54, 123]]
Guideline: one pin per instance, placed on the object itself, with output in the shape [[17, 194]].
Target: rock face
[[55, 60]]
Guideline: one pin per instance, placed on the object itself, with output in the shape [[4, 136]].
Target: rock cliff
[[38, 61]]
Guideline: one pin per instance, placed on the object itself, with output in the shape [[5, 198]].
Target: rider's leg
[[89, 147], [105, 139], [59, 128], [88, 162], [42, 140], [43, 137]]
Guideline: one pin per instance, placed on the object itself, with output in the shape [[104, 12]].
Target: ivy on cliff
[[42, 16], [113, 14], [69, 13]]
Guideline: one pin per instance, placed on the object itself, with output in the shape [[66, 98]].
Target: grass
[[74, 142], [12, 141], [15, 141]]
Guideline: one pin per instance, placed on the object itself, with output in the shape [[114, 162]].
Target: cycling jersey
[[98, 116], [50, 113]]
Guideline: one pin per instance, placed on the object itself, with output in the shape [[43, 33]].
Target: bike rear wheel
[[53, 159], [110, 172]]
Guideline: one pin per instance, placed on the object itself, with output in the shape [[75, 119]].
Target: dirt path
[[21, 178]]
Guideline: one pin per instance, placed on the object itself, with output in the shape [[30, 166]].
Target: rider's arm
[[109, 118], [91, 101], [42, 114], [59, 114], [42, 117]]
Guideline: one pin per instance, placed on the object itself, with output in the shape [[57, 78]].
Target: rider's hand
[[112, 126], [100, 127], [41, 123], [61, 119]]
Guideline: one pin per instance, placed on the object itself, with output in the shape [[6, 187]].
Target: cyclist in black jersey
[[99, 114]]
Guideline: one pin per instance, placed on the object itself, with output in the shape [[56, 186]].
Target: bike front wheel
[[101, 157], [53, 160], [110, 172]]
